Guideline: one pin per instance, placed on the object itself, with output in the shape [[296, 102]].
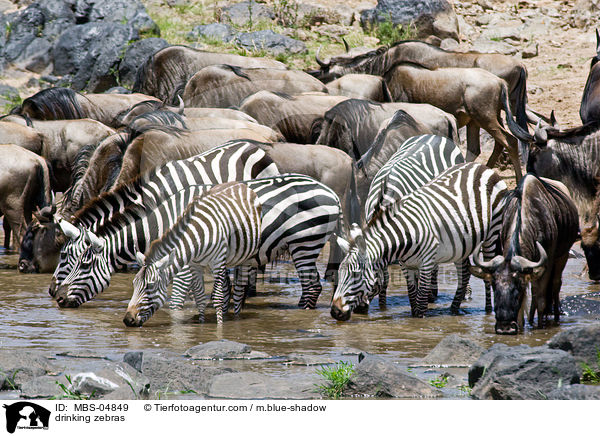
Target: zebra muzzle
[[131, 320]]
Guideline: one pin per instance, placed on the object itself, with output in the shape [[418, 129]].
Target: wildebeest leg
[[473, 145], [503, 139], [434, 284], [14, 219], [6, 227], [556, 283], [463, 274], [538, 298]]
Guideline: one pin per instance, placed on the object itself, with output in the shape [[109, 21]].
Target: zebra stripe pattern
[[219, 229], [299, 215], [418, 161], [233, 161], [440, 222]]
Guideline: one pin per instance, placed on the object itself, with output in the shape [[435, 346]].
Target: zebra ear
[[140, 258], [358, 237], [163, 262], [69, 229], [342, 243], [96, 242]]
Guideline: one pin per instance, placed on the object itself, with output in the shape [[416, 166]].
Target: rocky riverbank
[[456, 368]]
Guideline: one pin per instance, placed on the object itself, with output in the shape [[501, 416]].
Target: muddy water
[[270, 322]]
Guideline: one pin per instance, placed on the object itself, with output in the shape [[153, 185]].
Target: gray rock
[[134, 359], [37, 56], [90, 54], [295, 359], [223, 349], [110, 377], [41, 387], [376, 377], [9, 92], [117, 90], [240, 13], [20, 366], [170, 373], [270, 41], [251, 385], [431, 17], [135, 56], [521, 373], [575, 392], [131, 12], [504, 33], [20, 29], [530, 51], [484, 45], [214, 31], [449, 44], [582, 342], [453, 350]]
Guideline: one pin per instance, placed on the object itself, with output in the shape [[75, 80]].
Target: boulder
[[377, 377], [135, 56], [131, 12], [90, 54], [270, 41], [134, 359], [214, 31], [429, 17], [575, 392], [168, 372], [41, 387], [251, 385], [240, 13], [521, 372], [484, 45], [218, 350], [19, 30], [20, 366], [582, 342], [108, 377], [8, 95], [453, 350]]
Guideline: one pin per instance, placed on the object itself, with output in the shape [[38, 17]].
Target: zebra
[[234, 160], [443, 221], [218, 229], [300, 215], [418, 160]]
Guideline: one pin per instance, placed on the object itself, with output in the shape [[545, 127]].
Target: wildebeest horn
[[347, 47], [553, 121], [524, 265], [540, 134], [319, 61], [96, 242], [490, 265], [69, 229], [181, 105]]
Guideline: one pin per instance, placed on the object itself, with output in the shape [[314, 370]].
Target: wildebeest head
[[41, 243], [364, 61], [509, 278]]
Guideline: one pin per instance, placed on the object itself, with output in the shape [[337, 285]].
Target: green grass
[[10, 380], [591, 375], [466, 389], [69, 394], [439, 382], [337, 378], [388, 33]]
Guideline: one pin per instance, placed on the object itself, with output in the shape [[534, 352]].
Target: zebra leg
[[424, 289], [411, 285], [241, 278], [434, 284], [250, 288], [226, 292], [488, 251], [219, 274], [197, 290], [463, 274], [385, 280], [311, 286]]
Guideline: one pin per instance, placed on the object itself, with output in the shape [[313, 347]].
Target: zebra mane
[[53, 104]]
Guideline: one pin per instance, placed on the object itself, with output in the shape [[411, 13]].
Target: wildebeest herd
[[221, 162]]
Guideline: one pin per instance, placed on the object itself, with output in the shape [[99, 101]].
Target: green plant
[[70, 394], [440, 382], [591, 375], [286, 12], [10, 380], [388, 33], [466, 389], [8, 30], [337, 378]]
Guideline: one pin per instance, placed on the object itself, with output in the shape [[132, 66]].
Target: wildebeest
[[572, 156], [364, 86], [474, 96], [25, 136], [539, 226], [24, 187], [165, 73], [589, 110], [66, 104], [292, 116], [353, 124], [227, 85], [381, 60]]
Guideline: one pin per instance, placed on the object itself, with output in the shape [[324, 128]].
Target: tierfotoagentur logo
[[26, 415]]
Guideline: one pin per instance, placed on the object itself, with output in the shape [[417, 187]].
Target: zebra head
[[356, 276], [149, 290], [83, 270]]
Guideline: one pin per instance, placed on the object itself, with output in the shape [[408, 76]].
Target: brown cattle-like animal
[[364, 86]]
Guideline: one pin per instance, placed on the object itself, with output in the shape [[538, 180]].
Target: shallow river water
[[270, 322]]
